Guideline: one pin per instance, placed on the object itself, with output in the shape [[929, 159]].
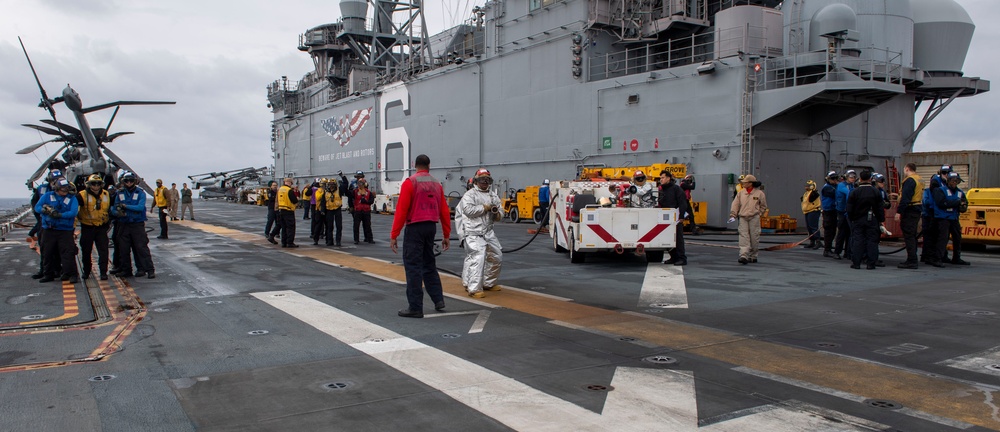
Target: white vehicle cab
[[592, 216]]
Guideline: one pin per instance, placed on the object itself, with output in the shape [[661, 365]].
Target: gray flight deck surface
[[794, 342]]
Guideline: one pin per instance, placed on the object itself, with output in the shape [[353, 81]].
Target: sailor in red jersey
[[420, 207]]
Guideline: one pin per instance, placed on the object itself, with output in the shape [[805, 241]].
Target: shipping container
[[978, 168]]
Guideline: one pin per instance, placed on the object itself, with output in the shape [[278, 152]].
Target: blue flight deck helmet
[[62, 183], [54, 174]]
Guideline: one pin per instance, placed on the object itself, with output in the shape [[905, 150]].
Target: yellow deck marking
[[124, 318], [70, 307], [938, 396]]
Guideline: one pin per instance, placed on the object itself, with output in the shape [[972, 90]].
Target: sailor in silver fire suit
[[642, 195], [479, 209]]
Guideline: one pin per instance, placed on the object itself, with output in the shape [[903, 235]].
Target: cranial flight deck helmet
[[95, 179], [483, 179], [639, 176]]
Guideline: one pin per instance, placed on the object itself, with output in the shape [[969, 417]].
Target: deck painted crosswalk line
[[515, 404], [642, 399], [663, 287], [477, 326]]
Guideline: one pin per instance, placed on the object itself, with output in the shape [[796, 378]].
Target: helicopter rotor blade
[[112, 137], [119, 103], [34, 147], [62, 126], [45, 165], [43, 129], [46, 102], [121, 164]]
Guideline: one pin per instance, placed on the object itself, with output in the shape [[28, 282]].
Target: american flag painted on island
[[345, 127]]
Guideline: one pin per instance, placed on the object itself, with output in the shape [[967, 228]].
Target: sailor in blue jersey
[[843, 222], [130, 208], [949, 202], [36, 231], [929, 253], [59, 208], [543, 201], [828, 203]]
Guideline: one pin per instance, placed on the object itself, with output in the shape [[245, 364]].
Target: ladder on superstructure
[[746, 121], [891, 177], [633, 15]]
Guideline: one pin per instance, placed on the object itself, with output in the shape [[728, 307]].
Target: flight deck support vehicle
[[585, 218]]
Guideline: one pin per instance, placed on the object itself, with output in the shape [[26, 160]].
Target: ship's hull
[[485, 115]]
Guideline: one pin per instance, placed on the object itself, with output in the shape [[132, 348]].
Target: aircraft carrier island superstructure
[[535, 89]]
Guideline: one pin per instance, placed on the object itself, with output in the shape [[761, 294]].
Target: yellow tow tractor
[[522, 204], [981, 223]]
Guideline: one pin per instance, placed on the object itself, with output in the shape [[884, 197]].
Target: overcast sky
[[215, 59]]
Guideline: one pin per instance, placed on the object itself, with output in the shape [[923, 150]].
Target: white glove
[[732, 219], [686, 215]]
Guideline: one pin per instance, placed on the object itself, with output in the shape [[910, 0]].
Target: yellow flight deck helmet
[[95, 178], [810, 185]]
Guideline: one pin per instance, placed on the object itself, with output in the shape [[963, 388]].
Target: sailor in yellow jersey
[[328, 204], [94, 218], [286, 202], [908, 213], [162, 202]]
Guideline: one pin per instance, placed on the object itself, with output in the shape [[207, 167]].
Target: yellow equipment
[[981, 224], [623, 173], [700, 208], [522, 205]]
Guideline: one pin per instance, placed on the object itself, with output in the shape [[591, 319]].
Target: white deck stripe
[[516, 405], [664, 287], [643, 399]]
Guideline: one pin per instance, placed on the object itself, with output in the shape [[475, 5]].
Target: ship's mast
[[396, 42]]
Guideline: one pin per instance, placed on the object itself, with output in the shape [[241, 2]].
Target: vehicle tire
[[536, 216], [385, 208], [555, 243], [575, 257], [514, 216], [654, 256]]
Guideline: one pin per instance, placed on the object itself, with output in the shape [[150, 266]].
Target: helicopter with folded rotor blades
[[83, 151]]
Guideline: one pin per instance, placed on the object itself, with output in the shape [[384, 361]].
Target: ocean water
[[7, 204]]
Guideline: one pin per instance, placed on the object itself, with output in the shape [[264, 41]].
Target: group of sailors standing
[[324, 199], [58, 208], [853, 210]]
